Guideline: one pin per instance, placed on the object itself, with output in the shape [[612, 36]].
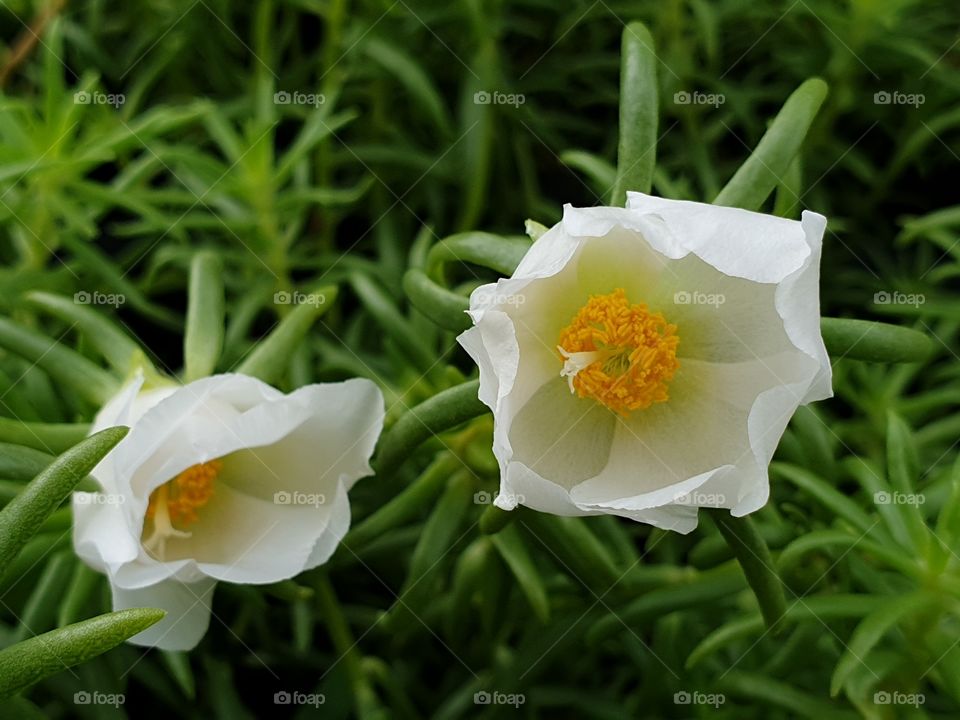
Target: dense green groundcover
[[277, 146]]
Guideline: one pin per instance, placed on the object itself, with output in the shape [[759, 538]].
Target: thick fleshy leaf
[[872, 630], [31, 660], [496, 252], [203, 337], [771, 159], [48, 437], [446, 308], [110, 340], [754, 557], [270, 358], [66, 366], [637, 151], [21, 519], [443, 411], [874, 341]]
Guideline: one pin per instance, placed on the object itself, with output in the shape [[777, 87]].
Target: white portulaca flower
[[645, 361], [225, 478]]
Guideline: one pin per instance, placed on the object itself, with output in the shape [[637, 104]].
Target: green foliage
[[193, 226]]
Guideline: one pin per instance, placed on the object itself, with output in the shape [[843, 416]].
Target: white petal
[[101, 536], [720, 318], [521, 485], [751, 245], [561, 436], [472, 341], [548, 255], [798, 302], [492, 344], [188, 609], [678, 518], [280, 502], [316, 441], [117, 409], [698, 436], [748, 358], [244, 539], [241, 538]]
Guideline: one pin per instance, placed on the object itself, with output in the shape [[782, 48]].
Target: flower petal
[[750, 245], [280, 501], [798, 302], [561, 436], [188, 609], [101, 535]]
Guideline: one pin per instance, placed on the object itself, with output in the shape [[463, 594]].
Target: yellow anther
[[177, 501], [621, 355]]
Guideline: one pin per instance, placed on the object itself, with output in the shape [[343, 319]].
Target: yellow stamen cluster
[[619, 354], [186, 493]]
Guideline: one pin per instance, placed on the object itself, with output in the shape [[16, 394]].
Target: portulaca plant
[[221, 479], [644, 361]]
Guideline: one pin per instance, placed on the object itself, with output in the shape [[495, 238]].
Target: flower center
[[619, 354], [177, 501]]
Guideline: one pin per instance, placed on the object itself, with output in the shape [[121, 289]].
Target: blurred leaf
[[25, 663], [20, 519]]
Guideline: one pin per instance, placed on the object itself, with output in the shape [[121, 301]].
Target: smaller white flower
[[657, 355], [225, 478]]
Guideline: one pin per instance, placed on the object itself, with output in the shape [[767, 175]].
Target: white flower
[[225, 478], [655, 359]]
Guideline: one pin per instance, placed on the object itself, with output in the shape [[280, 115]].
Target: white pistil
[[575, 362], [163, 528]]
